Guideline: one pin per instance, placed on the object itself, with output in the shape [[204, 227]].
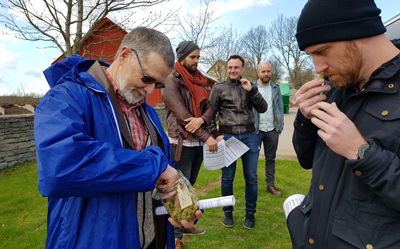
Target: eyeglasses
[[147, 79]]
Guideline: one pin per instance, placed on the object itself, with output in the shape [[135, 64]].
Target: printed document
[[226, 155]]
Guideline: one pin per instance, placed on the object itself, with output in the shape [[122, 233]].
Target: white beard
[[126, 89]]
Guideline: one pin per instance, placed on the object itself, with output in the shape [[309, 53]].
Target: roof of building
[[208, 76], [95, 29], [392, 20]]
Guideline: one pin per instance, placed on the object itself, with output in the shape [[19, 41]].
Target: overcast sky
[[22, 62]]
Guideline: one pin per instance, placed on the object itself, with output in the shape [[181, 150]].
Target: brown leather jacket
[[234, 105], [178, 105]]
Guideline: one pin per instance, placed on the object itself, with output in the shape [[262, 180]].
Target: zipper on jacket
[[155, 126], [113, 111], [237, 93]]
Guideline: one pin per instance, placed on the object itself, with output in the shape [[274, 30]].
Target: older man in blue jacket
[[101, 148]]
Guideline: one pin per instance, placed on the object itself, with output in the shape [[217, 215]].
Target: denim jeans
[[189, 164], [249, 161], [270, 140]]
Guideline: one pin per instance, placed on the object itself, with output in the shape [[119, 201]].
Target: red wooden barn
[[103, 44]]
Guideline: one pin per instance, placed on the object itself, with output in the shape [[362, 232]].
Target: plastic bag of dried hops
[[182, 205]]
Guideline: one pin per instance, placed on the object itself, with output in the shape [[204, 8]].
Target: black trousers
[[270, 140]]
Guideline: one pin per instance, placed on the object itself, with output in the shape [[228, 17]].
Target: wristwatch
[[361, 151]]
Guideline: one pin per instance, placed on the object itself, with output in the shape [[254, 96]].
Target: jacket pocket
[[384, 114], [359, 235], [385, 110]]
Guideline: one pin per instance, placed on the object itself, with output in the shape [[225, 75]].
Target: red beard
[[347, 75]]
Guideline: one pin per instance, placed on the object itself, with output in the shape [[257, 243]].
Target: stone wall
[[17, 143], [162, 114]]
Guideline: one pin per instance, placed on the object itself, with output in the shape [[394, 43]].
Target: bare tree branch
[[287, 52], [277, 71], [227, 44], [69, 23], [256, 44], [197, 27]]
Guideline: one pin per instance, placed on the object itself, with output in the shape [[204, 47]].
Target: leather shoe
[[273, 190]]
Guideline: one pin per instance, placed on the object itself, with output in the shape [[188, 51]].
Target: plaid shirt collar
[[137, 126]]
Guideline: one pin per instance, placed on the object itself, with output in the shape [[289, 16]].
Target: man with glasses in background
[[101, 148]]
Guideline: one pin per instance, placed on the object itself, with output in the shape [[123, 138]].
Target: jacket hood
[[55, 72], [70, 69]]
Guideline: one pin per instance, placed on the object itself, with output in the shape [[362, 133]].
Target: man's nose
[[320, 66], [149, 88]]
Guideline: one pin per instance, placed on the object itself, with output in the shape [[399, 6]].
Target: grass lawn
[[271, 230], [23, 211]]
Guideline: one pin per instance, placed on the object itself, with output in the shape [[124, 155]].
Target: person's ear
[[125, 54]]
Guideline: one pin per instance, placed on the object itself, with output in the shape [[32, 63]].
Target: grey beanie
[[185, 48], [324, 21]]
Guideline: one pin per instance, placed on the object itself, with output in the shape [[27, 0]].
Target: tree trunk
[[78, 37]]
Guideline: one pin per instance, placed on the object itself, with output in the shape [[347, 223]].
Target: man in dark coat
[[349, 135], [189, 114]]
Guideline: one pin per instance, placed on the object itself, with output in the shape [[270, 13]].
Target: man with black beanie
[[189, 115], [349, 135]]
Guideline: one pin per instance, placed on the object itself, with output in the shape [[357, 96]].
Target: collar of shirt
[[259, 85]]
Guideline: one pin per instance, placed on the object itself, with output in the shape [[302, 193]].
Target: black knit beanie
[[185, 48], [324, 21]]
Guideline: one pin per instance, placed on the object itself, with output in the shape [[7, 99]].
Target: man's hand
[[166, 181], [212, 144], [246, 84], [309, 95], [337, 130], [220, 138], [194, 124], [186, 223]]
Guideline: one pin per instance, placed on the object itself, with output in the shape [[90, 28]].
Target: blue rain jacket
[[87, 175]]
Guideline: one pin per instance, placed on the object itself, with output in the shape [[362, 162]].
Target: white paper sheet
[[235, 150], [291, 203], [213, 161], [207, 203], [225, 156]]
